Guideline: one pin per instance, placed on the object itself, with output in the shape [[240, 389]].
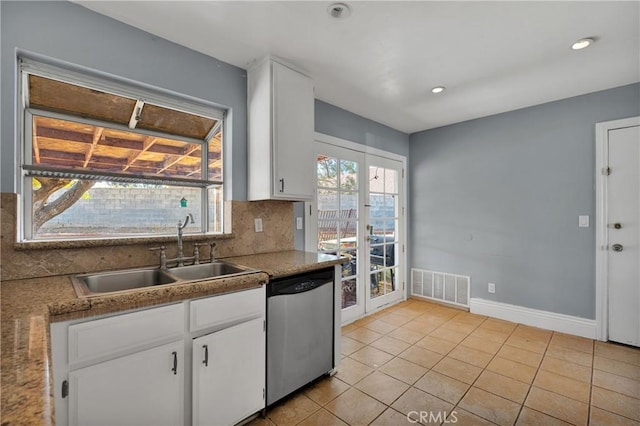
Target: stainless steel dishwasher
[[300, 331]]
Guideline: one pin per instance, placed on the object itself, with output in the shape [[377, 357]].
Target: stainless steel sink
[[109, 282], [126, 280], [206, 270]]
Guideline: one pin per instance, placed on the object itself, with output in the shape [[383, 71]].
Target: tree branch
[[44, 212]]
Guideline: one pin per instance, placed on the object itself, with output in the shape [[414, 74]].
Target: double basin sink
[[118, 281]]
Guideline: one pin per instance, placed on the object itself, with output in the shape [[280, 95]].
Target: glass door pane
[[383, 231], [355, 189], [338, 220]]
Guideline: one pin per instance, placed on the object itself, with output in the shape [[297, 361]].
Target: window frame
[[97, 81]]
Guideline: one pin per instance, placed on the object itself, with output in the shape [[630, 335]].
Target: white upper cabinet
[[281, 126]]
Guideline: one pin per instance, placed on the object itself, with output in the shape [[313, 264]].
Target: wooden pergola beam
[[146, 144], [97, 134], [66, 144], [36, 149], [112, 142], [187, 150]]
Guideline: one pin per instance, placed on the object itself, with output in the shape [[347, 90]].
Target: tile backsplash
[[22, 261]]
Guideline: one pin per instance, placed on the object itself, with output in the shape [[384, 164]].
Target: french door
[[359, 214], [384, 211]]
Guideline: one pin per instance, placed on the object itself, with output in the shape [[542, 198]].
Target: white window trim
[[104, 82]]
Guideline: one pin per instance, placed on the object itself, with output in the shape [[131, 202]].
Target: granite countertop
[[285, 263], [28, 307]]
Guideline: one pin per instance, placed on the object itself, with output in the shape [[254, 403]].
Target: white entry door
[[623, 234], [359, 214]]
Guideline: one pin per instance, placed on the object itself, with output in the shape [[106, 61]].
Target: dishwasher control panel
[[300, 283], [305, 286]]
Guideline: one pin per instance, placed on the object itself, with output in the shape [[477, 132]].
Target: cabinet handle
[[282, 185], [175, 362], [206, 355]]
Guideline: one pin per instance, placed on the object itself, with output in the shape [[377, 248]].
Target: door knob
[[617, 247], [617, 225]]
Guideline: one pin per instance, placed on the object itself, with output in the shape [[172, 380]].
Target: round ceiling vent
[[339, 10]]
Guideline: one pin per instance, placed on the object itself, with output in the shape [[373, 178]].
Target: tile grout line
[[592, 385], [533, 381], [522, 405], [443, 357], [483, 370], [593, 365], [447, 353], [389, 406], [538, 369], [413, 317]]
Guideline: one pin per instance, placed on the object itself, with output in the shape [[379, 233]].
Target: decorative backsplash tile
[[60, 258]]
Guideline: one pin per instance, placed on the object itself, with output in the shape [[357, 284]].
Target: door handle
[[205, 361], [616, 225], [617, 247], [175, 362], [282, 185]]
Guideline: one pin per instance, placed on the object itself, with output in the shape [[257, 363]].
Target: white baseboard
[[542, 319]]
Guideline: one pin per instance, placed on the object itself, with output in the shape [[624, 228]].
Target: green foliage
[[332, 173]]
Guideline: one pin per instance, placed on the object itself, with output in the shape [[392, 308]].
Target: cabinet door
[[294, 165], [145, 388], [229, 374]]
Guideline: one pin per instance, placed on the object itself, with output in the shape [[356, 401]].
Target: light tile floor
[[424, 359]]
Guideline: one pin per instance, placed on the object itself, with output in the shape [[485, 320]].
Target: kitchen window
[[101, 159]]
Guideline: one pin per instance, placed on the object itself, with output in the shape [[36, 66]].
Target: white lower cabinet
[[144, 388], [228, 374], [150, 366]]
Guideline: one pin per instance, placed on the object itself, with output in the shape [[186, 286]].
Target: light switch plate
[[583, 221], [258, 224], [491, 288], [298, 223]]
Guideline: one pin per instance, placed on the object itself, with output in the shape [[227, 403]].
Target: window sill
[[111, 242]]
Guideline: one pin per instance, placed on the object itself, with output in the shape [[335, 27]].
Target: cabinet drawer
[[103, 338], [227, 308]]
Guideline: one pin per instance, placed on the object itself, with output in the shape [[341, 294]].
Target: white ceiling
[[382, 61]]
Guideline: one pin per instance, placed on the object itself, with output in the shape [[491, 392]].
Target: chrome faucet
[[181, 226]]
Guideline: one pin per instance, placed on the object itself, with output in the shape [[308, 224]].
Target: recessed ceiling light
[[583, 43], [438, 89], [339, 10]]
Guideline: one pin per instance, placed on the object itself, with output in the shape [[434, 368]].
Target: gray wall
[[343, 124], [498, 199], [63, 32], [337, 122], [68, 32]]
